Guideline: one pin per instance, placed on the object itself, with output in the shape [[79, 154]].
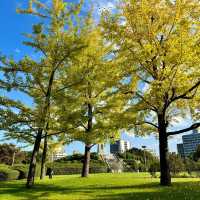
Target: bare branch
[[184, 95], [152, 124], [192, 127]]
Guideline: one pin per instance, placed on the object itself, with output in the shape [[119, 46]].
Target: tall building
[[189, 145], [100, 149], [120, 146], [58, 153], [180, 150]]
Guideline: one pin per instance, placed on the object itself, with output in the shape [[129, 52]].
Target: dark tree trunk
[[86, 162], [32, 166], [44, 155], [165, 177]]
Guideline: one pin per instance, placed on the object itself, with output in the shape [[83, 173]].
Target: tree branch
[[184, 95], [192, 127], [152, 124]]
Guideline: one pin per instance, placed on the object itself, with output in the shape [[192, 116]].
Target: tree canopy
[[158, 43]]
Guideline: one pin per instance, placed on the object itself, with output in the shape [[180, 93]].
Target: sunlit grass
[[125, 186]]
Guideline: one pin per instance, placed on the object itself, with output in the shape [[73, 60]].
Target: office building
[[180, 150], [100, 149], [120, 146], [189, 145], [58, 153]]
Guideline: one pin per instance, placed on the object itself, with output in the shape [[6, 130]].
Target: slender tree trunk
[[32, 166], [13, 159], [86, 161], [165, 177], [44, 155]]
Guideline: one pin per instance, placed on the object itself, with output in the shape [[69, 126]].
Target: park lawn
[[127, 186]]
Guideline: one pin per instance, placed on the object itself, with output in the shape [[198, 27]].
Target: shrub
[[22, 169], [154, 167], [176, 164], [7, 173]]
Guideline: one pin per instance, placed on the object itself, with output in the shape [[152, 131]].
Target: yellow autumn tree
[[57, 39], [158, 43], [92, 105]]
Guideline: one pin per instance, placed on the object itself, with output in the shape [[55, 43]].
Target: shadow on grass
[[150, 191], [178, 191]]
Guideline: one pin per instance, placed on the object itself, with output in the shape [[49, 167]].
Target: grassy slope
[[102, 186]]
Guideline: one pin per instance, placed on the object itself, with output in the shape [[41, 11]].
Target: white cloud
[[106, 5], [101, 6], [17, 51]]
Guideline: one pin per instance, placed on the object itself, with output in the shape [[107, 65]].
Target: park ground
[[125, 186]]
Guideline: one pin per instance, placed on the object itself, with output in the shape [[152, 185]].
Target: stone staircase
[[116, 164]]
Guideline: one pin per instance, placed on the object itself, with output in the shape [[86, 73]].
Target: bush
[[154, 167], [22, 169], [176, 164], [94, 156], [7, 173]]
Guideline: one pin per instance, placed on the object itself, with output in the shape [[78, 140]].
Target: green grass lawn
[[127, 186]]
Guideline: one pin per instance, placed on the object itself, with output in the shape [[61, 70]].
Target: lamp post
[[145, 161]]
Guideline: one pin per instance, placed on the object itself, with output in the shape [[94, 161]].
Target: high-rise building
[[120, 146], [58, 153], [189, 145], [180, 150], [100, 149]]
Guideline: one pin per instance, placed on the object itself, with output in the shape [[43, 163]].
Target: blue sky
[[11, 38]]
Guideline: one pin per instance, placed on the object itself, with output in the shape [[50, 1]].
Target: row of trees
[[135, 70], [70, 83]]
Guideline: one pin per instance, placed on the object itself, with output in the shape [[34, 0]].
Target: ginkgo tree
[[93, 105], [158, 42], [19, 122], [57, 39]]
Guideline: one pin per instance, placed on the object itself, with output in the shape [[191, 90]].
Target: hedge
[[68, 168], [20, 171]]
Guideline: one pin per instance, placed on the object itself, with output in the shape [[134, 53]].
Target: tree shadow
[[39, 191], [150, 191], [178, 191]]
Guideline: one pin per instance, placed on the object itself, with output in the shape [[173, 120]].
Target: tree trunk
[[44, 155], [32, 166], [13, 159], [165, 177], [86, 162]]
